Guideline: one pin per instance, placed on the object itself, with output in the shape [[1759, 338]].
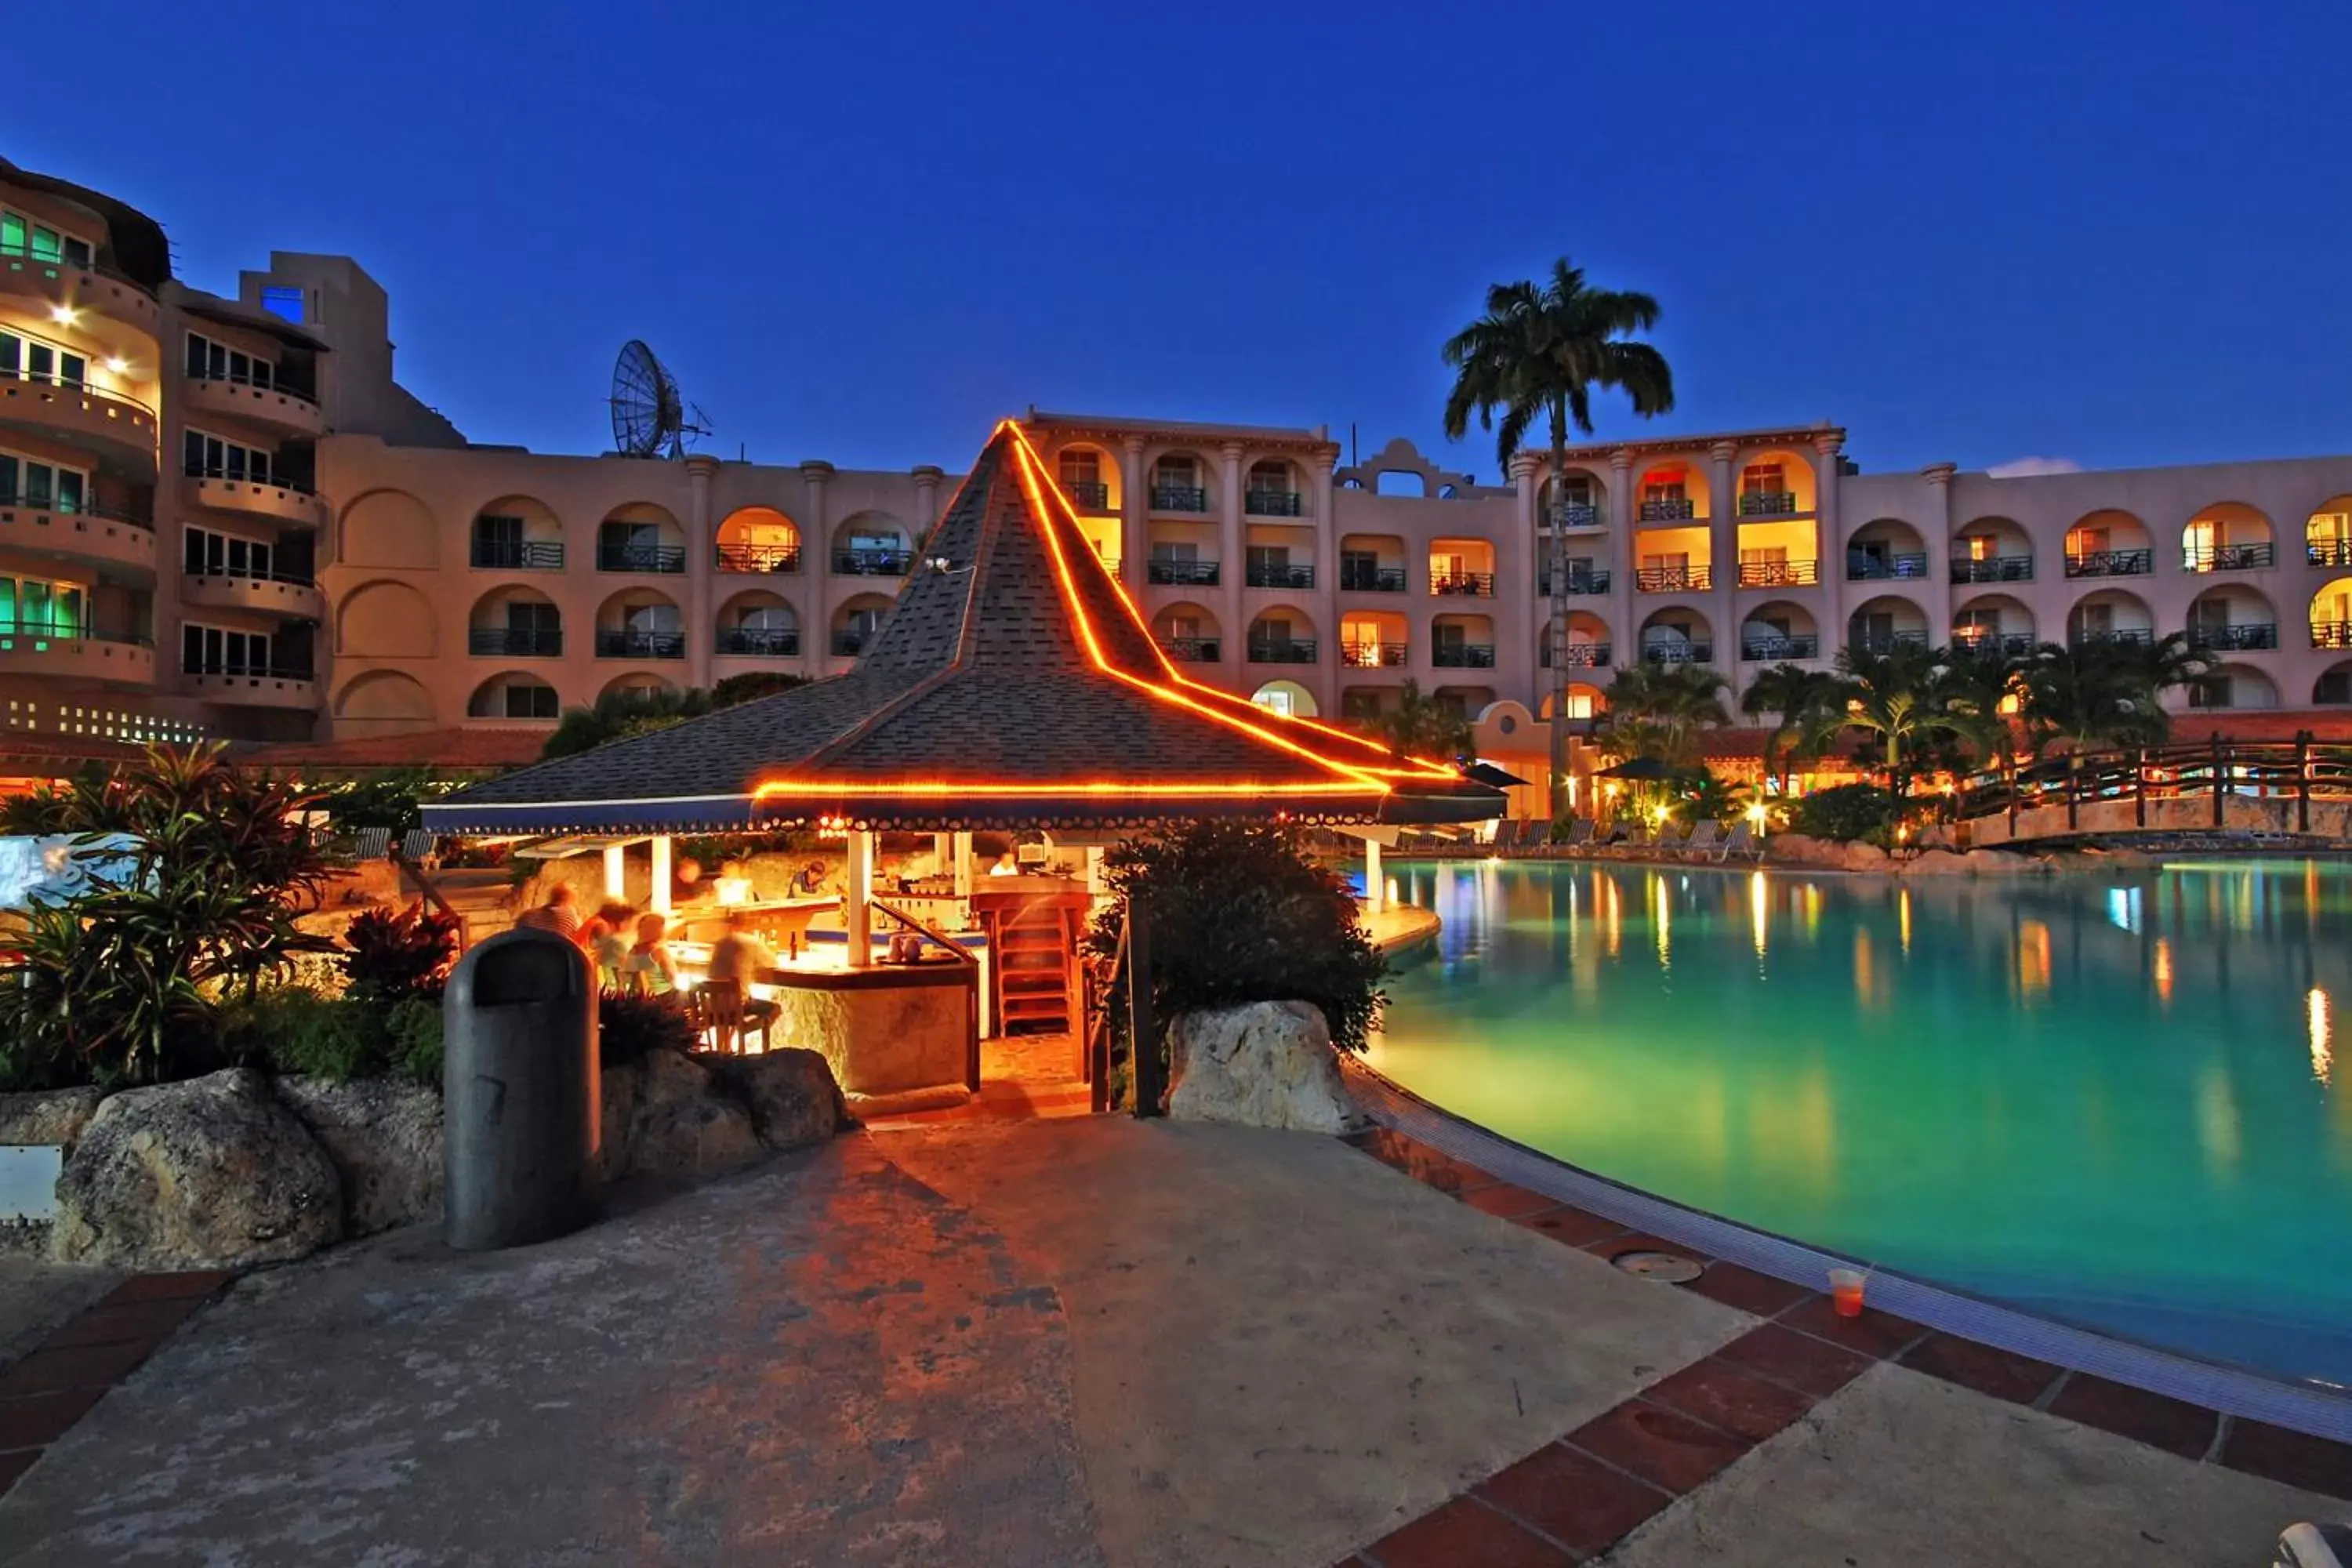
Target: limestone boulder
[[618, 1090], [53, 1116], [1803, 849], [213, 1172], [1936, 863], [687, 1121], [385, 1137], [791, 1096], [1860, 856], [1267, 1064]]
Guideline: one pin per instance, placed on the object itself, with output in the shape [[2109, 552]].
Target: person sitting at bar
[[649, 970], [741, 957], [556, 915], [606, 937], [1007, 865]]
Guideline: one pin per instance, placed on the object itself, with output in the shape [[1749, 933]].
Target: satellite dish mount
[[649, 418]]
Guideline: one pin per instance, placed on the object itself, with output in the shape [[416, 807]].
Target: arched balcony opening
[[1886, 548], [1371, 564], [858, 623], [1462, 642], [759, 538], [1285, 636], [1464, 703], [1462, 568], [1360, 704], [2327, 533], [2334, 686], [1669, 492], [872, 545], [1586, 646], [1776, 482], [1574, 499], [638, 683], [1278, 557], [516, 696], [1674, 546], [1090, 477], [1992, 550], [515, 623], [2228, 536], [640, 537], [759, 625], [1994, 623], [1179, 483], [517, 533], [2234, 686], [2110, 615], [1886, 623], [1677, 635], [1372, 639], [2331, 615], [1272, 488], [640, 623], [2232, 617], [2109, 543], [1287, 698], [1778, 629], [1188, 634], [1586, 702]]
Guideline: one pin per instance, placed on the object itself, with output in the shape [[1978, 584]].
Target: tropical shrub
[[287, 1029], [1845, 812], [399, 953], [628, 1026], [391, 800]]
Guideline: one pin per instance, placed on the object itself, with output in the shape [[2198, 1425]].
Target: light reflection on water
[[2111, 1098]]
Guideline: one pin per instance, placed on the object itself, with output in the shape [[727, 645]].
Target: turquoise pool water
[[2110, 1098]]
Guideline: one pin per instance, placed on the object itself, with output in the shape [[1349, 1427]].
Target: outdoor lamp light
[[117, 365], [63, 314]]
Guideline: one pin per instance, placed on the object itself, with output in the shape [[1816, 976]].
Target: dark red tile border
[[1747, 1290], [130, 1323], [200, 1283], [2001, 1373], [1575, 1227], [1461, 1532], [1725, 1396], [2292, 1458], [1505, 1201], [1662, 1446], [48, 1370], [13, 1465], [2172, 1425], [37, 1420], [1573, 1498], [1802, 1362], [1876, 1334]]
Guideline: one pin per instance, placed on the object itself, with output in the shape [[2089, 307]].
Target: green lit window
[[12, 235]]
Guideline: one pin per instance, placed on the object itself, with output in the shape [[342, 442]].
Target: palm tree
[[1971, 683], [2106, 694], [1657, 710], [1421, 725], [1539, 351], [1810, 708], [1892, 694]]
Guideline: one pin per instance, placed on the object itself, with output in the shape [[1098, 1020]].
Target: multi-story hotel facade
[[223, 516]]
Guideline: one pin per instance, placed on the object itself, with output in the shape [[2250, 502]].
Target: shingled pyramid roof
[[1013, 684]]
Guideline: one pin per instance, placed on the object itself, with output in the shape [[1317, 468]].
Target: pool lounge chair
[[1740, 840], [416, 846], [1668, 840], [1702, 841], [374, 843], [1579, 839]]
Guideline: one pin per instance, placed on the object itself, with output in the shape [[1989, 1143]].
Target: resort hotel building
[[223, 517]]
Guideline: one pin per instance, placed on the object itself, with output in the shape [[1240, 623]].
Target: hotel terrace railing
[[1673, 579], [270, 671], [757, 557], [1193, 650], [1884, 642], [1572, 514], [1779, 574], [2328, 551], [1684, 511], [1372, 654], [79, 260], [1768, 503], [1264, 575], [669, 560], [515, 642], [1187, 573], [629, 642], [519, 554], [1993, 569], [1087, 497], [2231, 557], [2016, 644], [249, 575], [873, 563], [2111, 564], [268, 382], [1886, 568], [1179, 498], [761, 642], [1578, 655], [1467, 584], [1293, 650], [46, 501], [1758, 649], [52, 631], [849, 642], [1577, 582], [1677, 652], [2331, 634], [82, 388], [2300, 770], [2243, 635], [1371, 579], [1275, 503], [2111, 636], [1463, 655]]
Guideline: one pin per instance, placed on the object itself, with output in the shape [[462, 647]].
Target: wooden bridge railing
[[2301, 770]]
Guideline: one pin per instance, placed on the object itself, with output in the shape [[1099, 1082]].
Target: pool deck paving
[[1096, 1341]]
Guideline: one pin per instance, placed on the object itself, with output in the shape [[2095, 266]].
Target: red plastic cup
[[1845, 1292]]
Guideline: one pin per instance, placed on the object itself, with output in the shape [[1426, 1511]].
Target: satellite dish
[[649, 419]]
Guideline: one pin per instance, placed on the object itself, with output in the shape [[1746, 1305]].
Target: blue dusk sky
[[2107, 233]]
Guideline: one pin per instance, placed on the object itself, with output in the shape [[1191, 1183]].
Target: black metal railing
[[1191, 573], [849, 642], [1363, 654], [1292, 650], [248, 671], [1884, 642], [2109, 636], [64, 263], [1768, 503], [1678, 652], [757, 557], [1779, 574], [1757, 649], [761, 642], [2331, 634], [52, 631], [1463, 655], [1586, 581], [2328, 551], [1572, 514], [520, 554], [2014, 644], [74, 385], [666, 559], [1371, 579], [259, 481], [2231, 557], [1993, 569], [1467, 584], [1886, 568], [1193, 650], [1266, 575], [1179, 498], [251, 575], [298, 393], [1089, 497], [873, 563], [2241, 634], [522, 642], [1578, 655], [1682, 510], [2110, 562], [47, 502], [1275, 503], [1672, 579], [629, 642]]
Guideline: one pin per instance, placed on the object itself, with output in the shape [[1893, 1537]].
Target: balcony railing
[[761, 642], [43, 501], [52, 631], [1463, 655], [1291, 650], [1467, 584], [849, 642], [2109, 636], [516, 642], [1189, 574], [2331, 634], [1193, 650], [666, 559], [1779, 574], [757, 557], [2242, 634], [2110, 562], [1367, 654], [1683, 510], [2328, 551], [1886, 642], [1371, 579], [1758, 650], [248, 573], [2015, 644], [1579, 655], [1884, 568], [1993, 569], [628, 642], [1677, 652], [1275, 503], [873, 563], [78, 385], [2231, 557], [1179, 498], [1266, 575], [264, 384], [1584, 582], [292, 671], [1768, 503], [519, 554], [1087, 497], [1572, 514], [1673, 579]]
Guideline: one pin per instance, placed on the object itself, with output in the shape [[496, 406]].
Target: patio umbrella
[[1637, 768], [1488, 774]]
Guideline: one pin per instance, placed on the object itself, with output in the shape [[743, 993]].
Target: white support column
[[658, 899], [702, 560], [941, 850], [1326, 579], [1829, 531], [963, 852], [816, 560], [616, 864], [927, 500], [1624, 561], [1723, 547], [1094, 868], [1135, 519], [1233, 553], [857, 914], [1376, 890], [1937, 528]]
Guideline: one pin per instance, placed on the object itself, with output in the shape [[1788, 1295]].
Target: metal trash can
[[519, 1092]]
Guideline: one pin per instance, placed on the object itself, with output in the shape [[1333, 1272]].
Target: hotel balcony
[[2331, 634], [1577, 582], [2231, 557], [1779, 574], [1993, 569], [2111, 564], [1358, 579], [1462, 656], [119, 538], [2243, 636], [1673, 579], [1769, 503], [1886, 642], [281, 408], [1275, 503], [663, 559], [519, 554], [2328, 552], [2110, 637], [1467, 584], [1292, 650], [1267, 576], [1179, 498], [630, 642], [761, 642], [1369, 654], [1571, 515], [108, 657], [848, 642], [856, 562], [275, 500], [2016, 645], [246, 686], [1757, 651], [266, 594], [62, 285], [1910, 565], [515, 642], [1677, 652], [1684, 511], [1093, 498], [1577, 655], [777, 558], [1193, 650], [121, 429], [1187, 573]]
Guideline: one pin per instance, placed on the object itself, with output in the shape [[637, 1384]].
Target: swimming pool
[[2112, 1099]]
